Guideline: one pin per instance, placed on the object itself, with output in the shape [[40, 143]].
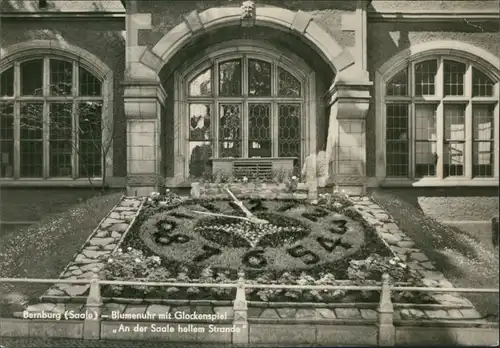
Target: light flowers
[[137, 260]]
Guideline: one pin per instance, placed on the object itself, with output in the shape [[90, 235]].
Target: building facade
[[158, 93]]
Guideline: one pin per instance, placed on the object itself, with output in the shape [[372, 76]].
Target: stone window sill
[[447, 182], [53, 182]]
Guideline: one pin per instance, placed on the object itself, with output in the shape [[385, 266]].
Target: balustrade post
[[240, 312], [386, 330], [93, 308]]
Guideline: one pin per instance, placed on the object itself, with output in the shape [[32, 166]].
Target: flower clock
[[255, 234]]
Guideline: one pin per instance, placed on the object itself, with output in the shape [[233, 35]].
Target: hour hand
[[252, 218]]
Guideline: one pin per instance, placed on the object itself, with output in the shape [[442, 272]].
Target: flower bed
[[303, 243]]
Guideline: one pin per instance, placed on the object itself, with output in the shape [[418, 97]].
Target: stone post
[[143, 110], [386, 330], [346, 145], [92, 322], [240, 312]]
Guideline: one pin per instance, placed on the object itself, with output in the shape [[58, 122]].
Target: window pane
[[32, 77], [61, 77], [7, 83], [483, 153], [202, 84], [289, 135], [425, 75], [288, 85], [200, 121], [90, 139], [89, 84], [454, 122], [230, 130], [259, 78], [230, 78], [398, 86], [426, 146], [259, 130], [61, 139], [199, 158], [454, 78], [397, 150], [482, 85], [7, 140], [31, 140], [454, 158]]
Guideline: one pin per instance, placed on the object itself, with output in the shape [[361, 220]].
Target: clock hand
[[221, 215], [248, 213]]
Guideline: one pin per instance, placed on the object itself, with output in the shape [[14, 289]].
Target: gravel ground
[[43, 250], [465, 261]]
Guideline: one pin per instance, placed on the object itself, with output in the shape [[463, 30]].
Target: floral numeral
[[330, 244], [174, 239], [307, 256], [317, 213], [339, 227], [208, 253], [255, 259]]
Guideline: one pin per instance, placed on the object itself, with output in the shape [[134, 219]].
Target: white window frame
[[244, 50], [420, 54], [46, 50]]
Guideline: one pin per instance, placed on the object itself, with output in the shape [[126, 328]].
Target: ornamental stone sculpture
[[247, 10]]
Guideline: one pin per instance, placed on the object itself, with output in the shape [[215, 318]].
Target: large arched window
[[50, 119], [440, 118], [243, 106]]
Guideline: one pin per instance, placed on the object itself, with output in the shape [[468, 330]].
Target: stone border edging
[[124, 208], [402, 246], [131, 224]]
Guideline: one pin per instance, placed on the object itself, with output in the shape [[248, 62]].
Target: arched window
[[50, 119], [441, 116], [243, 107]]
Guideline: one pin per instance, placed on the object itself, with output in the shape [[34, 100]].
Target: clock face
[[297, 235]]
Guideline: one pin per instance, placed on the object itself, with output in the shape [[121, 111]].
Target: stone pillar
[[346, 143], [143, 103]]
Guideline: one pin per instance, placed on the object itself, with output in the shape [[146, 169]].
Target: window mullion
[[17, 121], [17, 136], [496, 134], [75, 122], [412, 139], [46, 118], [46, 140], [274, 129], [412, 115], [216, 116], [244, 128], [469, 133], [74, 141], [440, 120]]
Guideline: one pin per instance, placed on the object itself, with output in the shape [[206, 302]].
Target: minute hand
[[247, 212]]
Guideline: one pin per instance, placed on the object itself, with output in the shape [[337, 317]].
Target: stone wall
[[167, 14]]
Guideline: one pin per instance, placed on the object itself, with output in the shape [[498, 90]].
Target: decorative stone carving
[[248, 9], [247, 13]]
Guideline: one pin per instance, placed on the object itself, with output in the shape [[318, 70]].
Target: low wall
[[268, 332], [250, 189]]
